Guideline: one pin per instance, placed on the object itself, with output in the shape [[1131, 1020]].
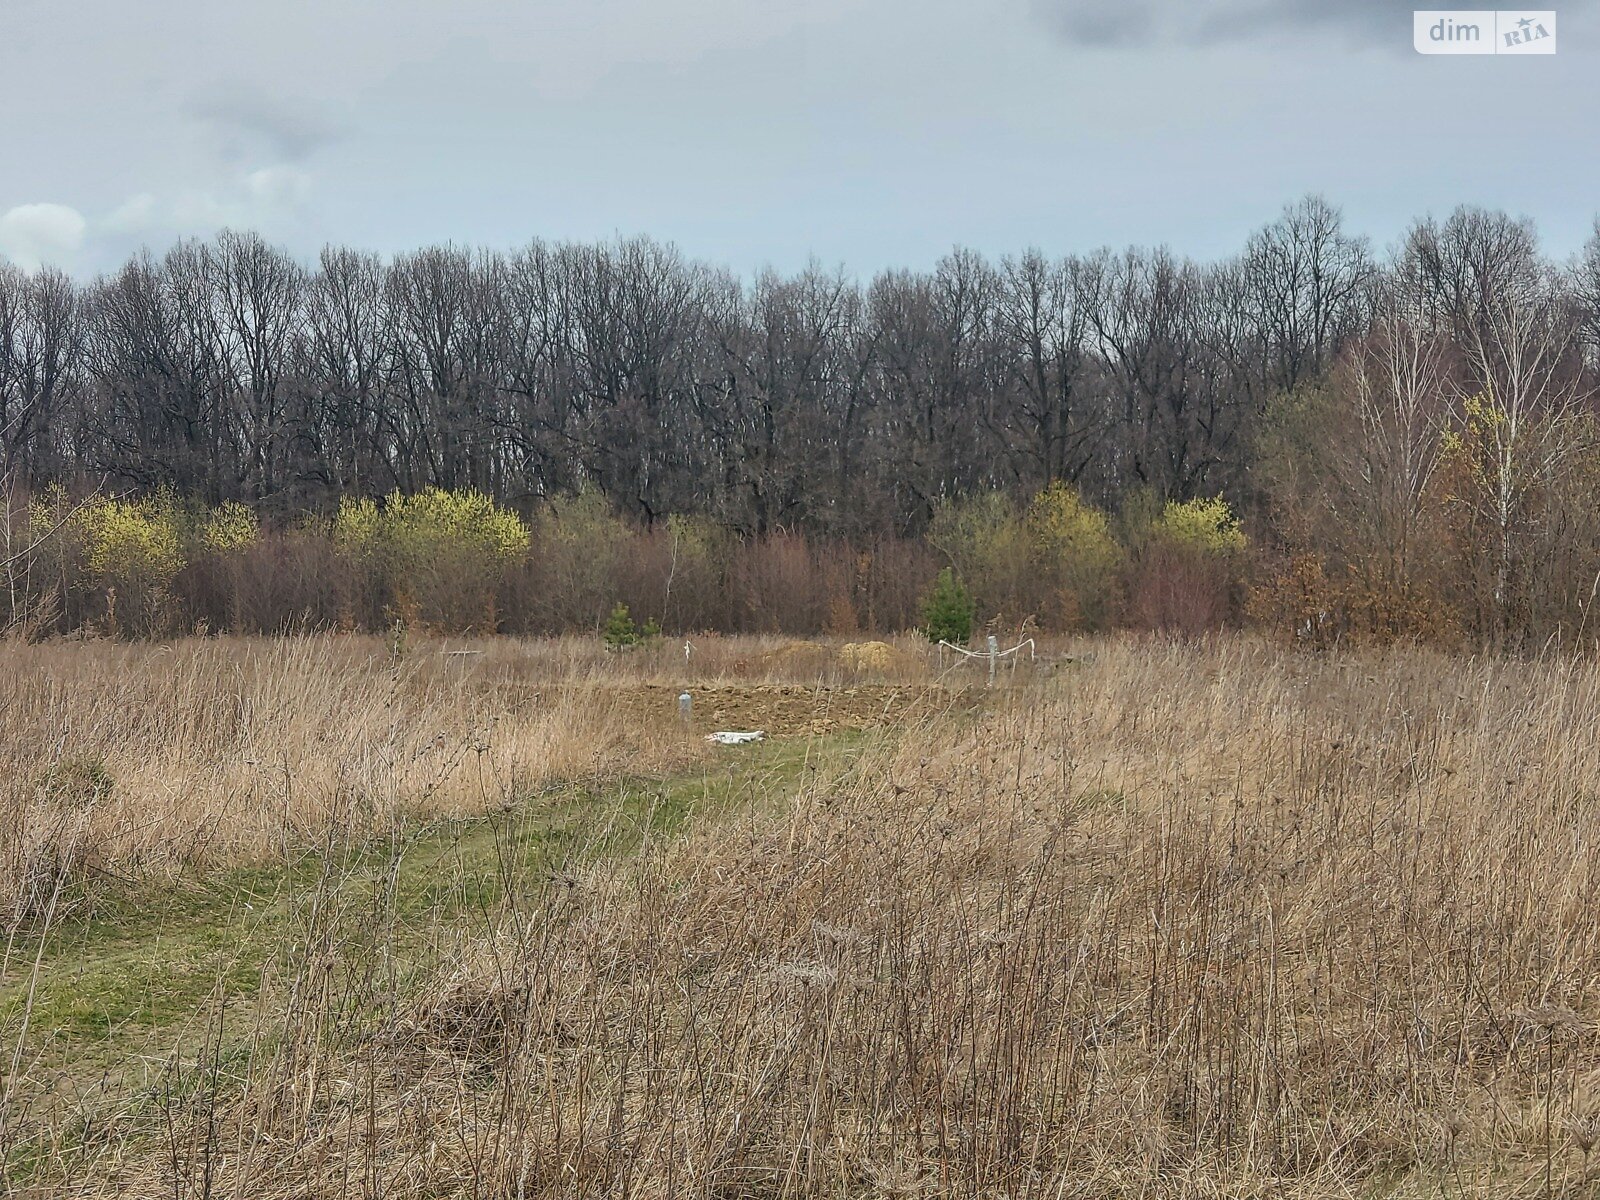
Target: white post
[[994, 655]]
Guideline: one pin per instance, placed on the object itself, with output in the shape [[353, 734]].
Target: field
[[342, 916]]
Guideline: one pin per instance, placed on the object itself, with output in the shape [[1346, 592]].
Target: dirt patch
[[793, 711]]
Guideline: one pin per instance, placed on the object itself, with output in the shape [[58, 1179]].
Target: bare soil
[[790, 710]]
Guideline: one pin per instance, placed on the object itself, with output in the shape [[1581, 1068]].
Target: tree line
[[1409, 436]]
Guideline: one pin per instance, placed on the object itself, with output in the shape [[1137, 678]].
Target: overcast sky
[[867, 133]]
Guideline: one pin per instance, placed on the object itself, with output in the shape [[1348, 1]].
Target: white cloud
[[37, 235], [132, 215], [269, 199], [281, 188]]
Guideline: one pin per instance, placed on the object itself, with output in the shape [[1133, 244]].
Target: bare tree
[[1398, 386], [344, 359], [41, 346], [258, 292], [1153, 318], [1519, 394], [1049, 419], [1303, 283], [1586, 294]]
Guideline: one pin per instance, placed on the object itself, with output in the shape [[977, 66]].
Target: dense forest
[[1310, 435]]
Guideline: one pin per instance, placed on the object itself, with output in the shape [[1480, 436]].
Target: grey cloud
[[1188, 22], [253, 126], [1105, 24]]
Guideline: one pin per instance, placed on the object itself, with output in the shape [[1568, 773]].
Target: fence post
[[994, 656]]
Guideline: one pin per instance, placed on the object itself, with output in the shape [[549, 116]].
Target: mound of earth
[[867, 656], [797, 657]]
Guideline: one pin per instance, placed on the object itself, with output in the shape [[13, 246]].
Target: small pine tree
[[620, 631], [947, 610], [650, 631]]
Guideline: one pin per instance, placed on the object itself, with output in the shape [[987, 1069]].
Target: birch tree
[[1518, 390]]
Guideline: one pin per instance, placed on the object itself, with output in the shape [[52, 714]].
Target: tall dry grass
[[1201, 920], [123, 759]]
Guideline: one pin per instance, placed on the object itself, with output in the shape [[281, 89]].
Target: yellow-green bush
[[1074, 554], [130, 540], [985, 539], [583, 546], [436, 553], [1208, 526], [435, 522], [357, 526], [228, 528], [1054, 560], [417, 530], [113, 560]]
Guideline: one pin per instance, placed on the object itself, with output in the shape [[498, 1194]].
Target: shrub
[[229, 529], [583, 548], [435, 521], [416, 530], [130, 549], [1207, 526], [1188, 577], [947, 612], [984, 538], [620, 631], [440, 555], [357, 526], [1178, 590], [80, 780], [1054, 560], [697, 552], [1306, 601], [1074, 554], [130, 540], [776, 585]]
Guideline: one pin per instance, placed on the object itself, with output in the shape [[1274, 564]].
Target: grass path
[[144, 981]]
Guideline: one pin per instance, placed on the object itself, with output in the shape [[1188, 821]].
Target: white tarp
[[730, 738]]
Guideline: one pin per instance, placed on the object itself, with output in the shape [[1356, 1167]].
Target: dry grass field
[[334, 918], [122, 759]]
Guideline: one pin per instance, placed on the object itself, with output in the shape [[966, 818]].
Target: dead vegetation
[[118, 760], [1204, 920], [121, 760]]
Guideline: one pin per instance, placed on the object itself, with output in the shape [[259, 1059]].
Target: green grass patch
[[135, 981]]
